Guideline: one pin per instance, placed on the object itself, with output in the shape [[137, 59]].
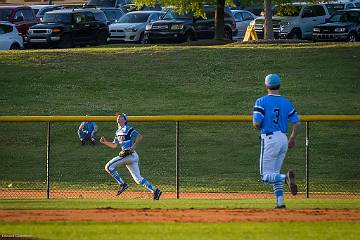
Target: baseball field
[[220, 158]]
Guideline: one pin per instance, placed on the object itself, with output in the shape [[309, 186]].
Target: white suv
[[294, 21]]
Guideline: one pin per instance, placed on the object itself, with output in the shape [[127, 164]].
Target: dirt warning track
[[181, 215]]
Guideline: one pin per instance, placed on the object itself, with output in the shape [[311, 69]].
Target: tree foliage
[[183, 6]]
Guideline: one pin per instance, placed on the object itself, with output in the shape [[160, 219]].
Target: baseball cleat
[[157, 194], [280, 207], [122, 188], [290, 181]]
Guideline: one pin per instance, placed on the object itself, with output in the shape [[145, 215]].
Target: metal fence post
[[307, 158], [48, 139], [177, 160]]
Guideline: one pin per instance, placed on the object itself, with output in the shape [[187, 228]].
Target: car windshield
[[108, 3], [171, 14], [56, 18], [134, 18], [333, 7], [36, 10], [5, 14], [344, 17], [287, 10]]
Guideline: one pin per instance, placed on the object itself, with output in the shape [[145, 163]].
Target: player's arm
[[258, 115], [104, 141], [294, 133], [136, 142], [295, 120]]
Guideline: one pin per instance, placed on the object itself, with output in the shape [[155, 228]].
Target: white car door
[[311, 16], [5, 37]]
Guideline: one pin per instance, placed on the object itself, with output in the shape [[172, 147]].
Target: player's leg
[[278, 185], [93, 137], [132, 164], [269, 161], [270, 148], [110, 167], [82, 136]]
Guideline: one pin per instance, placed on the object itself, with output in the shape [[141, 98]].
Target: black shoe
[[280, 207], [93, 142], [290, 181], [157, 194], [122, 188], [83, 142]]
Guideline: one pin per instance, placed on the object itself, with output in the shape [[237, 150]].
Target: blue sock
[[273, 178], [117, 177], [279, 193], [148, 185]]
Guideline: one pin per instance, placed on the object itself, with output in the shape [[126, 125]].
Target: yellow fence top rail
[[170, 118]]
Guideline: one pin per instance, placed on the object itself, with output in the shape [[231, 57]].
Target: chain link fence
[[215, 160]]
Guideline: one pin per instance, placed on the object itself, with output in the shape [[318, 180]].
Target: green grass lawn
[[170, 79], [197, 231]]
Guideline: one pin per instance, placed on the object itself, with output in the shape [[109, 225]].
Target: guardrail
[[177, 119]]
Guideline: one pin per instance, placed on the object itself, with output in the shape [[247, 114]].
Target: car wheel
[[188, 37], [66, 41], [15, 46], [142, 39], [352, 37], [295, 34], [228, 35], [101, 38]]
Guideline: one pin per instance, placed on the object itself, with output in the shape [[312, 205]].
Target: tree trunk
[[268, 29], [219, 20]]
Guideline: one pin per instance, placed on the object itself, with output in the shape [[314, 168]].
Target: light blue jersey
[[89, 126], [124, 135], [273, 112]]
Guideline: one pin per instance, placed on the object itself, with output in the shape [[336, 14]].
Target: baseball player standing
[[271, 115], [127, 157]]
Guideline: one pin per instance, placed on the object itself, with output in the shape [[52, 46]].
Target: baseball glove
[[124, 153]]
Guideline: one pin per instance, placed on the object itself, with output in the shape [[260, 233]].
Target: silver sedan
[[242, 18], [131, 26]]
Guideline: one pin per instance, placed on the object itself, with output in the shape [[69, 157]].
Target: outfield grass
[[169, 79], [197, 231]]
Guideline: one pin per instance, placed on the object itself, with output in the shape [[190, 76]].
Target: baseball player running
[[271, 115], [127, 157]]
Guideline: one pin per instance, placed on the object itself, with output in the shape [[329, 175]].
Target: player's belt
[[269, 133]]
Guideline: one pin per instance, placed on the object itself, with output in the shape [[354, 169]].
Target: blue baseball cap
[[124, 116], [272, 80]]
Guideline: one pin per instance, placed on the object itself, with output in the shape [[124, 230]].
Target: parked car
[[113, 15], [185, 27], [131, 26], [294, 21], [10, 39], [70, 27], [124, 5], [332, 7], [343, 25], [40, 10], [22, 16], [242, 18]]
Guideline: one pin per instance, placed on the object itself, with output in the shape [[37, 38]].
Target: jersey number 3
[[276, 115]]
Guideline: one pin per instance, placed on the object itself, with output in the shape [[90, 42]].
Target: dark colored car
[[22, 16], [185, 27], [67, 28], [343, 25], [113, 15], [124, 5]]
